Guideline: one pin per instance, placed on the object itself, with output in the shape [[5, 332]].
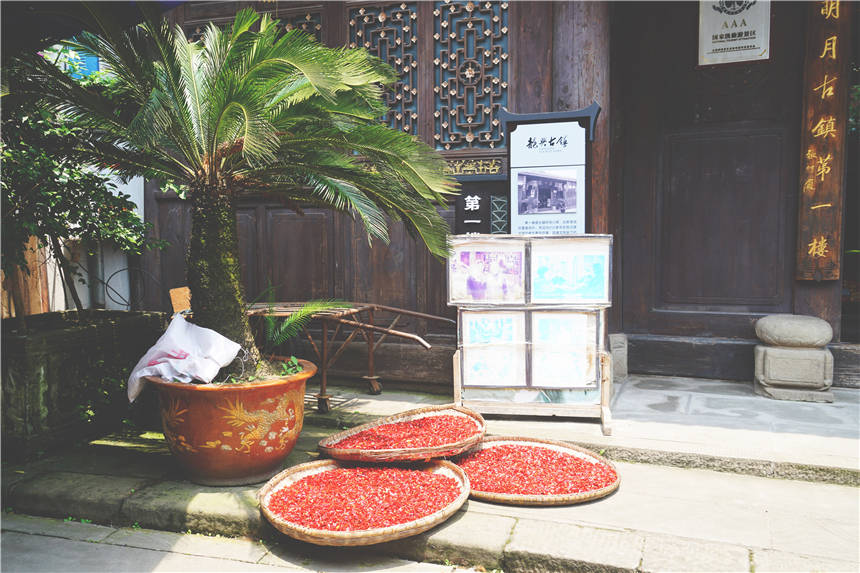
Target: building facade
[[701, 172]]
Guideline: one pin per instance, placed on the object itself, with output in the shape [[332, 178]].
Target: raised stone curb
[[764, 560], [753, 467], [466, 539], [758, 468], [63, 494], [180, 506], [539, 546], [665, 553], [338, 419]]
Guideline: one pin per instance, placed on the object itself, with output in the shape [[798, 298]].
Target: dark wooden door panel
[[378, 272], [435, 285], [402, 274], [174, 217], [297, 253], [714, 195], [246, 229]]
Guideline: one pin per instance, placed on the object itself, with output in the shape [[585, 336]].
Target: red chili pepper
[[533, 470], [426, 432], [360, 498]]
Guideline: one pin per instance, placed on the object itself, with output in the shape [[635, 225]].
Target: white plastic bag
[[185, 352]]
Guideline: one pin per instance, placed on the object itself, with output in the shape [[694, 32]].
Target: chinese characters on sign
[[547, 169], [473, 167], [472, 211], [547, 143], [733, 31], [822, 142]]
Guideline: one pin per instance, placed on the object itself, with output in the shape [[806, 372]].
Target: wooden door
[[709, 187]]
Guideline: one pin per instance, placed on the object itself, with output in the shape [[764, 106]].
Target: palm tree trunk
[[217, 297]]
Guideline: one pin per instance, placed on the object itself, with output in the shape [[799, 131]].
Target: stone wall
[[64, 374]]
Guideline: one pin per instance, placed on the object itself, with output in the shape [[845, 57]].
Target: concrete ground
[[673, 512]]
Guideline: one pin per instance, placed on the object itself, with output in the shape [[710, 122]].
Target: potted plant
[[240, 430], [246, 109]]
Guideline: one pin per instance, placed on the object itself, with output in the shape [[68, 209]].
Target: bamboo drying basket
[[367, 536], [405, 454], [563, 499]]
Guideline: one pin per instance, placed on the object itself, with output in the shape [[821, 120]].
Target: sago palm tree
[[247, 110]]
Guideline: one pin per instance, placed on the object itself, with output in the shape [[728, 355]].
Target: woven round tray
[[367, 536], [405, 454], [563, 499]]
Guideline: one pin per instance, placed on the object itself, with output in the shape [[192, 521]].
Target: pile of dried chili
[[361, 498], [426, 432], [533, 470]]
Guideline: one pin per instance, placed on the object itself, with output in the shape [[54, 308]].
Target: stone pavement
[[50, 545], [673, 512]]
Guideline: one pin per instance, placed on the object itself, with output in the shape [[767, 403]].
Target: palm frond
[[189, 57], [344, 196], [280, 329], [247, 108]]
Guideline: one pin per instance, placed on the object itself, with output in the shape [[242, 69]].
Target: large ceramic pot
[[233, 434]]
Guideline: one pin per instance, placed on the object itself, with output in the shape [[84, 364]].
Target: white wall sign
[[733, 31], [548, 182]]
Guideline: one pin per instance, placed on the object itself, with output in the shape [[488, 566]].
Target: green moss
[[214, 273]]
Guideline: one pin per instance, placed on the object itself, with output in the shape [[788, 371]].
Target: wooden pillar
[[530, 49], [580, 72], [826, 78]]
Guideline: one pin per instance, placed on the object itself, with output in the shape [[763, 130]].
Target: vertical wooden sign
[[825, 110]]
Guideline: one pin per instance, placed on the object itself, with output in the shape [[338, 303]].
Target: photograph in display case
[[564, 349], [486, 272], [494, 348], [571, 271], [546, 190]]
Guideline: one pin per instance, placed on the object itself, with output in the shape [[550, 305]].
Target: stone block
[[802, 374], [618, 349], [794, 330], [293, 554]]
